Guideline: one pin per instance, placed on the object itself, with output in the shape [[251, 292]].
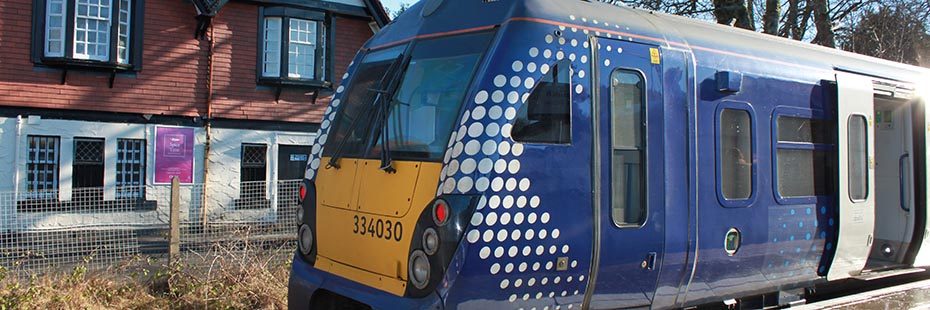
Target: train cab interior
[[898, 141]]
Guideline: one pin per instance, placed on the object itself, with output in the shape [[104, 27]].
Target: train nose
[[366, 217]]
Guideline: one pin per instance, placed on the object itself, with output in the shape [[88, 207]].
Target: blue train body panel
[[536, 206]]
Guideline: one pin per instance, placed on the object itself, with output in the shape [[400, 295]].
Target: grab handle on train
[[902, 179]]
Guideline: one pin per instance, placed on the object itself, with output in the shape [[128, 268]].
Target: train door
[[921, 163], [855, 114], [629, 111]]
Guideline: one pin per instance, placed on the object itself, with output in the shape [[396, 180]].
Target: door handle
[[650, 262], [902, 179]]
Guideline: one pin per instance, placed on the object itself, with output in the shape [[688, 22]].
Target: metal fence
[[100, 227]]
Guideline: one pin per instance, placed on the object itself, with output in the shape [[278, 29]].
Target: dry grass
[[222, 279]]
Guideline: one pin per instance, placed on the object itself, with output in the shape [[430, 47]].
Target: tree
[[771, 17], [733, 12], [823, 23], [400, 10], [897, 33]]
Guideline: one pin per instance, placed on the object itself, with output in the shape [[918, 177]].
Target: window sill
[[105, 206], [295, 83], [251, 204], [82, 64]]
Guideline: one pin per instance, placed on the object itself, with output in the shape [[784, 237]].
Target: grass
[[225, 279]]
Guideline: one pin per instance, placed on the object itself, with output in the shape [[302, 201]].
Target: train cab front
[[373, 232]]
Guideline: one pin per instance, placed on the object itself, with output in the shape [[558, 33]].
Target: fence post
[[174, 233]]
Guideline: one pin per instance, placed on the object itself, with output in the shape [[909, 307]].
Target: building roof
[[373, 8]]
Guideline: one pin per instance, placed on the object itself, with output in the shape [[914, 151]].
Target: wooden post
[[174, 233]]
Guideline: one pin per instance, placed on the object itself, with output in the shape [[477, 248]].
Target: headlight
[[430, 241], [305, 242], [419, 269]]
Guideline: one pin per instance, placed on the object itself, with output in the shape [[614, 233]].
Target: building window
[[805, 156], [302, 35], [130, 169], [254, 167], [94, 33], [736, 154], [546, 117], [42, 167], [628, 144], [87, 169]]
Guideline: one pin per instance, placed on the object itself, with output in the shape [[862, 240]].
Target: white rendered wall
[[224, 170], [221, 191]]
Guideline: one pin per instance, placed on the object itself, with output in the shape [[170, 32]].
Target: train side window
[[628, 147], [545, 118], [804, 156], [858, 158], [737, 156]]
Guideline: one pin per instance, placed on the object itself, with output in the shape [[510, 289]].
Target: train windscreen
[[415, 109]]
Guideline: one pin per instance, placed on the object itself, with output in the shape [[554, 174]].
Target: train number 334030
[[378, 228]]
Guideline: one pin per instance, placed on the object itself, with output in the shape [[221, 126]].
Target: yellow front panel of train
[[365, 230]]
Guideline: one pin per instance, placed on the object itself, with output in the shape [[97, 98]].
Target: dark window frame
[[254, 193], [325, 56], [718, 150], [67, 61], [57, 173], [814, 114], [90, 170], [126, 147], [643, 150]]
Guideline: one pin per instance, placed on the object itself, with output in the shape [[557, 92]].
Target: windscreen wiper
[[384, 100], [363, 115]]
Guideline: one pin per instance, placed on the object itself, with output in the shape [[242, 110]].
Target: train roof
[[704, 39]]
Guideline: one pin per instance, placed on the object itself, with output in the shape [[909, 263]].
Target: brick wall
[[236, 94], [173, 80]]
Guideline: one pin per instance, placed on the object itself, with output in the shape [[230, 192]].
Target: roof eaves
[[378, 12]]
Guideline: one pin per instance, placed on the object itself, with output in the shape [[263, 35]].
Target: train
[[571, 154]]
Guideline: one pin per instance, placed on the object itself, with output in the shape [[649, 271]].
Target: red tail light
[[440, 212], [301, 193]]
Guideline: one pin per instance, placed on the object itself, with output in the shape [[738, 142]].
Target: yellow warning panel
[[336, 187], [654, 56], [366, 218], [384, 193], [388, 284]]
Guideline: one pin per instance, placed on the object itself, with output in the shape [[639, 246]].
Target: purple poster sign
[[174, 154]]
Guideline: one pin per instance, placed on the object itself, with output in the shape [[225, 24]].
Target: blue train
[[563, 154]]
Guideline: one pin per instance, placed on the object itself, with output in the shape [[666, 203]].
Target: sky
[[392, 5]]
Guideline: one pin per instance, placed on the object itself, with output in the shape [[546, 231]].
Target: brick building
[[100, 100]]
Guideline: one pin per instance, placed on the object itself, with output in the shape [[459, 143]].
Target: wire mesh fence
[[99, 227]]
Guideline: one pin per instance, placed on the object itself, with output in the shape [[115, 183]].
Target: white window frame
[[124, 31], [86, 43], [296, 46], [301, 39], [107, 17], [61, 17], [271, 47]]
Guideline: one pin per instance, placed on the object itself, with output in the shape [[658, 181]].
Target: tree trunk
[[791, 21], [772, 14], [733, 12], [824, 24]]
